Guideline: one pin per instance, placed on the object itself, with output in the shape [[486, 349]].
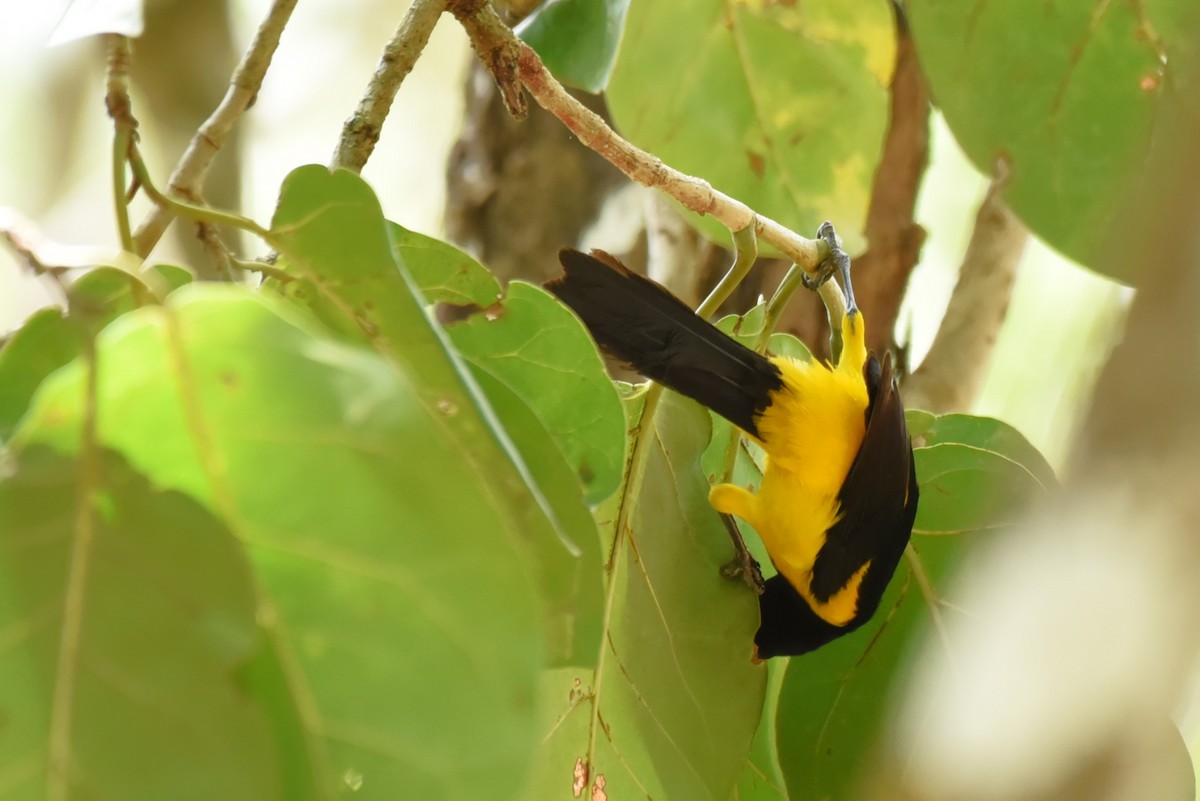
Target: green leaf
[[407, 616], [35, 350], [1068, 91], [48, 340], [575, 600], [330, 230], [988, 434], [747, 328], [672, 707], [167, 276], [443, 273], [762, 779], [126, 627], [104, 293], [834, 701], [975, 474], [781, 105], [577, 39], [541, 351]]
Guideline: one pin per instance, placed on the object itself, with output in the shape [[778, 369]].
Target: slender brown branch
[[497, 53], [120, 109], [952, 373], [894, 238], [490, 36], [187, 179], [361, 132]]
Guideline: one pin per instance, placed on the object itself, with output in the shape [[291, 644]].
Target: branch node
[[498, 49]]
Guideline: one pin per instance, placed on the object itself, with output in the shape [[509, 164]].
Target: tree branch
[[499, 47], [893, 236], [952, 373], [361, 131], [187, 178]]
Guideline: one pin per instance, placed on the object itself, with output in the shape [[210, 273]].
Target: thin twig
[[952, 373], [188, 176], [120, 108], [489, 35], [361, 132], [745, 251], [191, 211]]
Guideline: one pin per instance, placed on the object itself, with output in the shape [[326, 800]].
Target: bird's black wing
[[643, 324], [878, 500]]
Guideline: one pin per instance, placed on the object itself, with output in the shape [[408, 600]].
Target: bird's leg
[[730, 500], [742, 565], [836, 260]]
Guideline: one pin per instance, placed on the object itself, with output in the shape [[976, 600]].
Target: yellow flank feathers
[[811, 432]]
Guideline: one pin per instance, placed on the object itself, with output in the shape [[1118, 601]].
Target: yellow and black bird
[[838, 496]]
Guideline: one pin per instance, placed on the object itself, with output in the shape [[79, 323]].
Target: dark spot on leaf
[[229, 378], [796, 138], [757, 164], [452, 313], [586, 473], [369, 305]]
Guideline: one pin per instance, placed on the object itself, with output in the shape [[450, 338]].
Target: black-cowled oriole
[[838, 496]]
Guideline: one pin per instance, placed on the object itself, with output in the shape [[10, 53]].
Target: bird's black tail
[[643, 324]]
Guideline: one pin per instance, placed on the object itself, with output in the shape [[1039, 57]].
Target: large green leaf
[[406, 617], [541, 351], [975, 474], [762, 779], [577, 39], [671, 709], [781, 105], [574, 638], [124, 630], [1068, 91], [331, 234], [443, 273]]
